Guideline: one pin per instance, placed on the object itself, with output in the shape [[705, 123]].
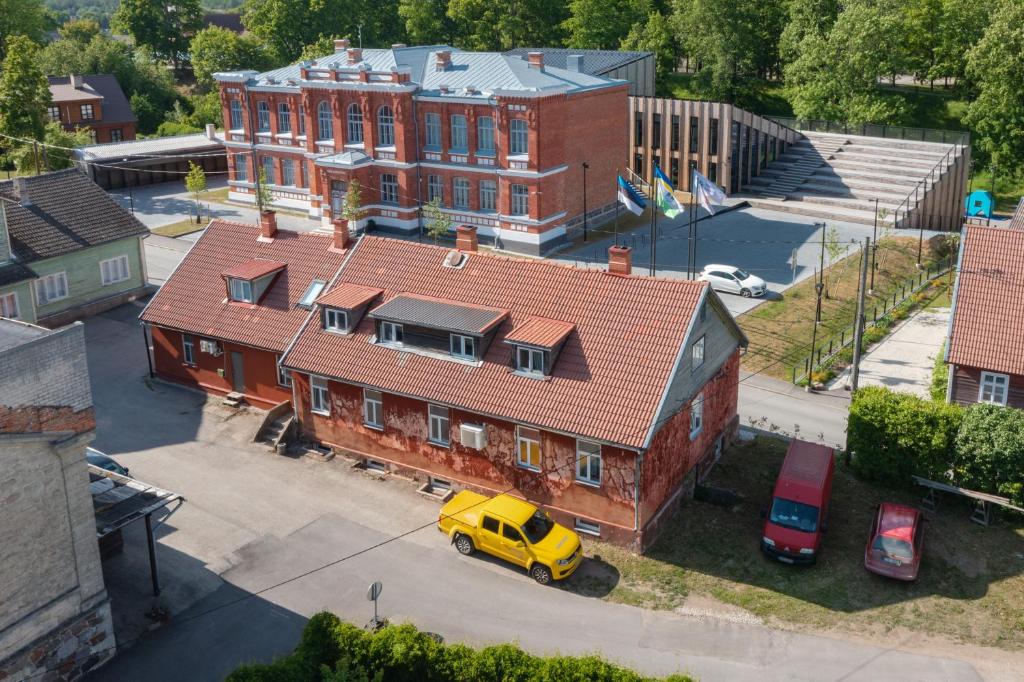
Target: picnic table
[[981, 511]]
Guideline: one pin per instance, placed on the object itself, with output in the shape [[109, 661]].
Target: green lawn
[[1009, 188], [971, 587], [179, 228]]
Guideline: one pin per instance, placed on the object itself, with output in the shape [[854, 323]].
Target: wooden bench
[[981, 512]]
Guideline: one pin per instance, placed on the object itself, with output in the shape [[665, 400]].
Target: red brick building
[[601, 396], [985, 349], [93, 101], [509, 145], [227, 313]]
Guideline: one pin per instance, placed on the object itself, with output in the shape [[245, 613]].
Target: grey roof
[[348, 158], [1017, 221], [14, 333], [154, 146], [439, 314], [595, 62], [116, 108], [57, 213], [486, 72], [15, 272]]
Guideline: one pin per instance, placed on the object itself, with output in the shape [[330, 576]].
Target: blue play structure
[[979, 203]]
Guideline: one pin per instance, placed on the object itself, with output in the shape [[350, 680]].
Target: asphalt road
[[254, 520], [776, 406]]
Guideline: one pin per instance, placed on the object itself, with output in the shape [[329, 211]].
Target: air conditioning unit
[[473, 436], [211, 347]]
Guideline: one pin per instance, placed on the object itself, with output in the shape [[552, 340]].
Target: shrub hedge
[[333, 651], [990, 451]]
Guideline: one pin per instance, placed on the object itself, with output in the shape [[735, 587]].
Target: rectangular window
[[459, 141], [694, 134], [241, 290], [114, 270], [390, 332], [463, 347], [373, 408], [713, 137], [389, 188], [320, 395], [588, 462], [485, 135], [638, 129], [675, 132], [52, 288], [491, 524], [529, 360], [335, 320], [302, 120], [713, 172], [86, 111], [518, 137], [288, 172], [528, 447], [460, 193], [115, 135], [696, 415], [520, 200], [674, 172], [241, 168], [433, 126], [697, 353], [435, 188], [655, 131], [9, 306], [439, 425], [488, 195], [638, 164], [587, 527], [284, 376], [188, 349], [268, 169], [54, 113], [994, 388], [236, 115], [284, 118]]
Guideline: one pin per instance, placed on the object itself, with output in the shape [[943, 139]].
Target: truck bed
[[463, 509]]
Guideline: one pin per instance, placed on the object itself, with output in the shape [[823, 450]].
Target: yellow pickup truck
[[514, 530]]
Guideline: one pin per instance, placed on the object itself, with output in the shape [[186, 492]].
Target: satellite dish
[[453, 259]]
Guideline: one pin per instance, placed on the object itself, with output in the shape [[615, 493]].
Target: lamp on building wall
[[585, 167]]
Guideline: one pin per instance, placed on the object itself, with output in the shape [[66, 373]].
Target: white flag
[[708, 194]]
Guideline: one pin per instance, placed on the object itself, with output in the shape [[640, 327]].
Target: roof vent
[[471, 90], [445, 89], [454, 259], [574, 62]]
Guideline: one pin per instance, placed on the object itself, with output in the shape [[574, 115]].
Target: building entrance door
[[237, 372], [338, 189]]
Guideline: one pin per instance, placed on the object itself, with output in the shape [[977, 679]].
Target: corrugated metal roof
[[595, 62], [153, 146], [436, 313]]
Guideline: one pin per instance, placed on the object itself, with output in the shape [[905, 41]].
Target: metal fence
[[832, 346], [875, 130]]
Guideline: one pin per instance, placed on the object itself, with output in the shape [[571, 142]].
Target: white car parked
[[733, 280]]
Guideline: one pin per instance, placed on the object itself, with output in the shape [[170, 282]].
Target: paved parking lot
[[254, 521]]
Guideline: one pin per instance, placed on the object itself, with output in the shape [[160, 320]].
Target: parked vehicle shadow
[[594, 578]]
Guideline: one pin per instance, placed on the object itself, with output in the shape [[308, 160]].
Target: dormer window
[[530, 360], [247, 282], [437, 327], [537, 341], [463, 347], [241, 290], [335, 320], [390, 332]]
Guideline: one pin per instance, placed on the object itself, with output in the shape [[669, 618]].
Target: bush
[[940, 375], [990, 451], [894, 435]]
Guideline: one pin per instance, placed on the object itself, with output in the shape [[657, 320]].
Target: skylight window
[[315, 287]]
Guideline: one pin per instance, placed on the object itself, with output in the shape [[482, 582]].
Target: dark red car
[[894, 546]]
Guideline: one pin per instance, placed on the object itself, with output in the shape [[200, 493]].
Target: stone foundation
[[69, 652]]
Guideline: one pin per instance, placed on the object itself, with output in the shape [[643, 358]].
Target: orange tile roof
[[254, 269], [194, 298], [1017, 221], [987, 330], [348, 296], [540, 331], [609, 378]]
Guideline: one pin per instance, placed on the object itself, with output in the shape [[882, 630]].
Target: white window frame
[[459, 135], [391, 332], [54, 113], [243, 294], [518, 137], [312, 291], [585, 462], [534, 360], [432, 123], [284, 376], [991, 381], [335, 320], [320, 396], [438, 425], [87, 108], [697, 415], [485, 135], [373, 408], [188, 349], [241, 168], [462, 346], [588, 527], [9, 307], [527, 436], [57, 283], [520, 199], [697, 354], [114, 270], [488, 196]]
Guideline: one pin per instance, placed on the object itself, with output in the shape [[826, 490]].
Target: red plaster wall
[[403, 442], [260, 366]]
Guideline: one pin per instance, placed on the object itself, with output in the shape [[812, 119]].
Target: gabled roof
[[116, 108], [611, 373], [193, 298], [57, 213], [987, 325], [348, 296], [540, 331], [254, 269]]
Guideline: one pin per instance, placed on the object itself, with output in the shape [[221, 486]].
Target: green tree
[[438, 222], [148, 115], [352, 210], [806, 18], [427, 21], [24, 91], [654, 35], [996, 66], [603, 24], [990, 451], [205, 109], [80, 31], [321, 47], [164, 26], [195, 182], [961, 26], [217, 49], [21, 18], [54, 153], [504, 24], [264, 199]]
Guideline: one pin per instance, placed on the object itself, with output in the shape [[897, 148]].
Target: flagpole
[[689, 231], [654, 221], [617, 202]]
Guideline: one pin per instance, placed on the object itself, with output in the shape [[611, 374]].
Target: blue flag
[[630, 198]]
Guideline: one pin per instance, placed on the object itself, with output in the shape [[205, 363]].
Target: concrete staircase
[[840, 177]]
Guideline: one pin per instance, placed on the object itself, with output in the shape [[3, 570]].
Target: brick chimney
[[268, 224], [465, 238], [211, 131], [536, 60], [620, 260], [342, 239], [443, 60], [76, 81], [355, 55], [340, 44]]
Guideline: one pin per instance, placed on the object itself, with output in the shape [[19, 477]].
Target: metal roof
[[437, 313], [119, 500], [595, 62], [155, 146]]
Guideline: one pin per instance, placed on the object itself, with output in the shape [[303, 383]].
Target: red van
[[795, 520]]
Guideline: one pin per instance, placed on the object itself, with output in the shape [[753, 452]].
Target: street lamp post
[[874, 249], [131, 197], [585, 167]]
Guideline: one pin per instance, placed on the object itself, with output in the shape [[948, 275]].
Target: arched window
[[324, 122], [262, 116], [284, 118], [236, 115], [355, 124], [385, 126]]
